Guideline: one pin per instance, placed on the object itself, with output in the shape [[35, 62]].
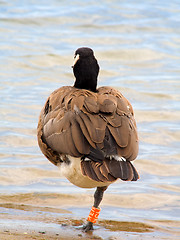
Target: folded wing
[[96, 127]]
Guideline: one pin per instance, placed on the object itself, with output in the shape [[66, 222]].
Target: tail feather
[[109, 170], [96, 168], [121, 169], [130, 171], [110, 177], [135, 173], [88, 170], [116, 168]]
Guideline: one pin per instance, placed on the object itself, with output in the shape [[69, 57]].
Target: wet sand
[[51, 216], [71, 229], [68, 229]]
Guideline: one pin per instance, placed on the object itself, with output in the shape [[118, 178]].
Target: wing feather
[[79, 139], [84, 130], [97, 125], [91, 105], [121, 134], [95, 131]]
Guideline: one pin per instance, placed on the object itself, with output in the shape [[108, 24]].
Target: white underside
[[73, 173]]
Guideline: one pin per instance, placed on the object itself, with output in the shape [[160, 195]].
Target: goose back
[[93, 126]]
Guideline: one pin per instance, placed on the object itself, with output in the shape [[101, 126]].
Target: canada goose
[[89, 133]]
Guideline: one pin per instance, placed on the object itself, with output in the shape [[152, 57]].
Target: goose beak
[[76, 58]]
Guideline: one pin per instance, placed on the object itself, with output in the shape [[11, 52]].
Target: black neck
[[86, 73]]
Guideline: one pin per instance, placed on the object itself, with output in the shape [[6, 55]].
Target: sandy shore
[[17, 235], [28, 236], [59, 216], [46, 228]]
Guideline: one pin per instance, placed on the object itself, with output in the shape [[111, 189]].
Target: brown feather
[[104, 170], [78, 138], [123, 107], [48, 152], [55, 126], [121, 169], [110, 177], [77, 103], [96, 171], [130, 172], [96, 134], [91, 105], [79, 122], [121, 134], [89, 171], [59, 143], [107, 106], [96, 166], [124, 169], [114, 120], [84, 130], [135, 173], [116, 168]]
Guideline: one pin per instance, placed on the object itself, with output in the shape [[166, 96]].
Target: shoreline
[[58, 217]]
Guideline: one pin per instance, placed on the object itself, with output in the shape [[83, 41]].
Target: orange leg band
[[94, 214]]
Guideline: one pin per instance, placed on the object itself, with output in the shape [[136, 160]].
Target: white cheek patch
[[75, 59]]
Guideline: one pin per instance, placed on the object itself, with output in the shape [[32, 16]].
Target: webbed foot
[[88, 227]]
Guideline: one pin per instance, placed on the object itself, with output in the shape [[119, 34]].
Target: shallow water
[[137, 45]]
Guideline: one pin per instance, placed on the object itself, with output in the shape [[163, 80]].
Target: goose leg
[[98, 196]]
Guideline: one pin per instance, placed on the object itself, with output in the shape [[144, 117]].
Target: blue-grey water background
[[137, 44]]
